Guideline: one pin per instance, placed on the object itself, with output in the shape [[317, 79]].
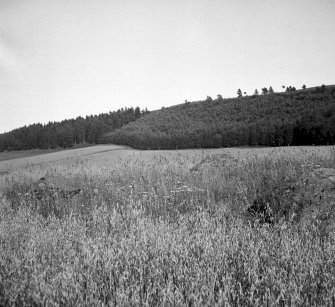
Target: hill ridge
[[296, 117]]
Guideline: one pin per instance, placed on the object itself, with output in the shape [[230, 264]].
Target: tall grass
[[153, 233]]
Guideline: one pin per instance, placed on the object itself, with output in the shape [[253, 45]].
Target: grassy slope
[[18, 154], [236, 121], [157, 234], [21, 159]]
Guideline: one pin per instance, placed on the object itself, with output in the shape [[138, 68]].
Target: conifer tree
[[265, 91]]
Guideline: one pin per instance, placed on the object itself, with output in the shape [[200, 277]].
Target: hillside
[[303, 117], [68, 133]]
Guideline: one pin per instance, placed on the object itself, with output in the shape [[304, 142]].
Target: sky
[[60, 59]]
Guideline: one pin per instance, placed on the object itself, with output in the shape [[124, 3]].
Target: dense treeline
[[301, 117], [68, 132]]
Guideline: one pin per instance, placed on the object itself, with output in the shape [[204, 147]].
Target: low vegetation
[[303, 117], [165, 229]]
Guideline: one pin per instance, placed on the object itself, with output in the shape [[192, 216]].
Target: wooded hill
[[302, 117], [70, 132]]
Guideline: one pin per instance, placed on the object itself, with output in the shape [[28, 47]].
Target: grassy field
[[160, 228], [16, 160], [18, 154], [9, 155]]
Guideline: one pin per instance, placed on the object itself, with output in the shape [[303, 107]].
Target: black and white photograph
[[167, 153]]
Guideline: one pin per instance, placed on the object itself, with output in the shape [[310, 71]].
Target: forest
[[67, 133], [294, 117]]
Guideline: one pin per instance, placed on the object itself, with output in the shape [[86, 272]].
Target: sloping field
[[29, 158], [18, 154], [97, 157], [111, 152]]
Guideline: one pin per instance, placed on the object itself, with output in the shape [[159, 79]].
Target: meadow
[[163, 228]]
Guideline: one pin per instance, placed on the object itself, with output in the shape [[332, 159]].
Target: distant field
[[16, 154], [16, 159], [102, 154], [9, 155]]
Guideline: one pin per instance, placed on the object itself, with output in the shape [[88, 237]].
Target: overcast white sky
[[66, 58]]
